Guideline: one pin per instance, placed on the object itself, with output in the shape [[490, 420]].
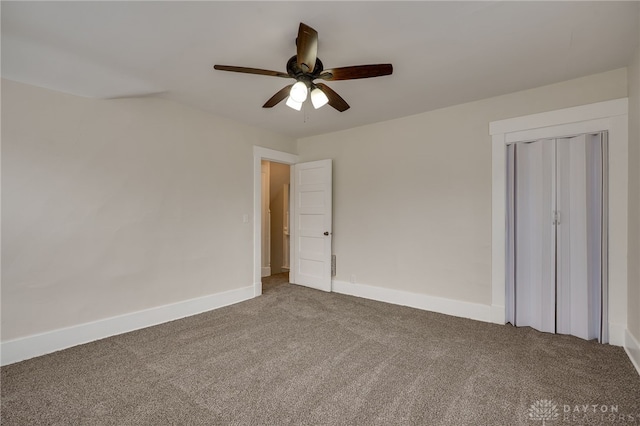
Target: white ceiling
[[443, 53]]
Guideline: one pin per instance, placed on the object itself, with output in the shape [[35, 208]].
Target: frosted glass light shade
[[299, 92], [318, 98], [291, 103]]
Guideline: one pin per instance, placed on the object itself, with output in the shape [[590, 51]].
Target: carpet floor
[[305, 357], [275, 280]]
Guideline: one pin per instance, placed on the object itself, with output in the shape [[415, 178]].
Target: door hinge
[[333, 265]]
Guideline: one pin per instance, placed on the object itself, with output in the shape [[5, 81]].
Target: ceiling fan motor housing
[[294, 70]]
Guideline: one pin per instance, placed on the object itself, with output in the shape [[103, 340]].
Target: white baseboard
[[632, 347], [40, 344], [617, 334], [498, 315], [425, 302], [265, 271]]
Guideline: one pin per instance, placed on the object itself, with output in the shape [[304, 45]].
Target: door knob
[[326, 233]]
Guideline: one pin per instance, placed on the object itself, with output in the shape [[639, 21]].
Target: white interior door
[[312, 221], [286, 250]]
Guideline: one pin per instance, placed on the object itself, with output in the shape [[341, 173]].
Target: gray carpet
[[301, 356], [275, 280]]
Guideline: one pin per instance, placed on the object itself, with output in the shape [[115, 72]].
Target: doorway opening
[[271, 156], [275, 222], [310, 221]]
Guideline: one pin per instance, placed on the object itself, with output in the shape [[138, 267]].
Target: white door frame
[[259, 154], [611, 116], [265, 214]]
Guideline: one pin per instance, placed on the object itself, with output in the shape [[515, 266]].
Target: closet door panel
[[510, 279], [535, 235], [579, 235], [572, 280], [596, 146]]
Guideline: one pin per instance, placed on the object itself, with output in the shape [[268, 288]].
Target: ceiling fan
[[305, 67]]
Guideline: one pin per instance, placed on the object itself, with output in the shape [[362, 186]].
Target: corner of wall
[[632, 347], [632, 335]]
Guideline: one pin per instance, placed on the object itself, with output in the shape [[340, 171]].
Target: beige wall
[[114, 206], [412, 196], [634, 195], [110, 207]]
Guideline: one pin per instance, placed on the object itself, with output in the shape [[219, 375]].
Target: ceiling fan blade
[[278, 97], [251, 71], [335, 100], [307, 43], [357, 71]]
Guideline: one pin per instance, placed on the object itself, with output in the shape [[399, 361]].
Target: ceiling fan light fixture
[[299, 92], [291, 103], [318, 98], [305, 67]]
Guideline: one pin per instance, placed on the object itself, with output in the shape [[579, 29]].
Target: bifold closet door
[[556, 235], [534, 235], [579, 235]]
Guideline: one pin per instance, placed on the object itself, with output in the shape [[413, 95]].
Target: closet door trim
[[611, 116]]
